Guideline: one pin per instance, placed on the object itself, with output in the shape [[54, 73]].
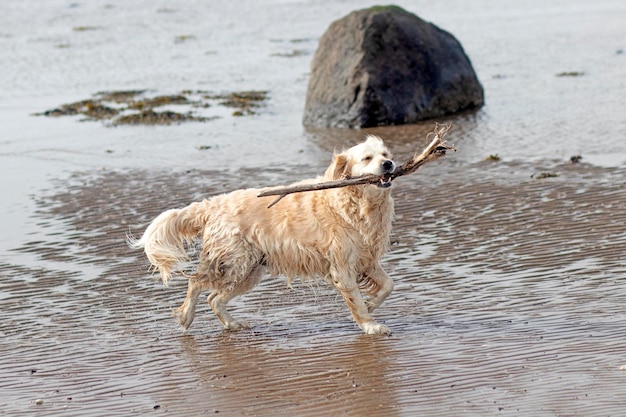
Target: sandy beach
[[508, 257]]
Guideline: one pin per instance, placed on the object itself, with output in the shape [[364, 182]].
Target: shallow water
[[509, 289]]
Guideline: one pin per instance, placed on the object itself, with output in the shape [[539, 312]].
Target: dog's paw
[[376, 328], [237, 325], [185, 320]]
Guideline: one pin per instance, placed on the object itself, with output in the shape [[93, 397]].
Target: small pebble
[[39, 401]]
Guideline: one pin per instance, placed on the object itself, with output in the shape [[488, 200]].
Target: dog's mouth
[[384, 183]]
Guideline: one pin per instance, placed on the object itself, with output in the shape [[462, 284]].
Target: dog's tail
[[165, 238]]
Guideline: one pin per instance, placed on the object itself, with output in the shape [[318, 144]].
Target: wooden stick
[[435, 149]]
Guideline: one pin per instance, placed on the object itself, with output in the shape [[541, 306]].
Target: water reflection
[[404, 140], [289, 376]]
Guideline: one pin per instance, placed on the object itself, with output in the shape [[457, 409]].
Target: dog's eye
[[385, 155], [367, 158]]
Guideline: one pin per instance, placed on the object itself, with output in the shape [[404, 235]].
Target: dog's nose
[[388, 165]]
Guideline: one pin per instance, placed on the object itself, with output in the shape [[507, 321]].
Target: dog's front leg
[[383, 287], [352, 295]]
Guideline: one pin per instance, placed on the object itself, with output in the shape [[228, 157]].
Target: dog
[[338, 235]]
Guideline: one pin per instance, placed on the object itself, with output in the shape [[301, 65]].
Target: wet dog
[[338, 235]]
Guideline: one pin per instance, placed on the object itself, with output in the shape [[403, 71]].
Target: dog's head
[[369, 157]]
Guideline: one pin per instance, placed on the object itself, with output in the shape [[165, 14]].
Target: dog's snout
[[388, 165]]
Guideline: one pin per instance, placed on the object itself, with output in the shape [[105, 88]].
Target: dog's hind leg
[[186, 312], [218, 299], [378, 285]]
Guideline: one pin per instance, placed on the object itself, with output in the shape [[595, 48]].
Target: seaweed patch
[[135, 107], [245, 102]]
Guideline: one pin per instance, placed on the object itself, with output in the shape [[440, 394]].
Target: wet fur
[[338, 235]]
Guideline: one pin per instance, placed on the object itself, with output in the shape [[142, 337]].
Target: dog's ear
[[339, 167]]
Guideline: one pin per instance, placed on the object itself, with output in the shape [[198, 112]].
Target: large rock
[[386, 66]]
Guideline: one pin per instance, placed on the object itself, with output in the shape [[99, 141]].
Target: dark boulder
[[386, 66]]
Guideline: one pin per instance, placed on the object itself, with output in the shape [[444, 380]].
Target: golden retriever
[[337, 234]]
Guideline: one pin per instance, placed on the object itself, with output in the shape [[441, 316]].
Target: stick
[[436, 149]]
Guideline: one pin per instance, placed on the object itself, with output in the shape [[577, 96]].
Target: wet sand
[[509, 299], [509, 274]]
